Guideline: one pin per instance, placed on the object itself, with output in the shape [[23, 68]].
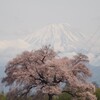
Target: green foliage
[[2, 97], [63, 96], [98, 93]]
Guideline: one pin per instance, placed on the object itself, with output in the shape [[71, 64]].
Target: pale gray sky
[[21, 17]]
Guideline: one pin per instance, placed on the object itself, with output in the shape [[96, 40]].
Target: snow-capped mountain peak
[[60, 36]]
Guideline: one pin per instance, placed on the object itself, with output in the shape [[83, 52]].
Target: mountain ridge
[[60, 36]]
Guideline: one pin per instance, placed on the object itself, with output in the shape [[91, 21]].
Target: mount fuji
[[64, 40], [60, 36]]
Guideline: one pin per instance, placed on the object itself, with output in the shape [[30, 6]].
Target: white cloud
[[19, 44], [10, 48]]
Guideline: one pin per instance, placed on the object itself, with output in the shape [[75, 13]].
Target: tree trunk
[[74, 98], [50, 96]]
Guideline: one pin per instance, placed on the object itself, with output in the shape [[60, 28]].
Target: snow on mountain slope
[[60, 36], [65, 40]]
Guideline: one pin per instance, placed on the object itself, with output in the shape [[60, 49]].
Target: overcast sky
[[21, 17]]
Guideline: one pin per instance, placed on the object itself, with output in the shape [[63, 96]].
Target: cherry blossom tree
[[42, 70]]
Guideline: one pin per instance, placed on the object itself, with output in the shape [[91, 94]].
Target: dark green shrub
[[63, 96], [98, 93]]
